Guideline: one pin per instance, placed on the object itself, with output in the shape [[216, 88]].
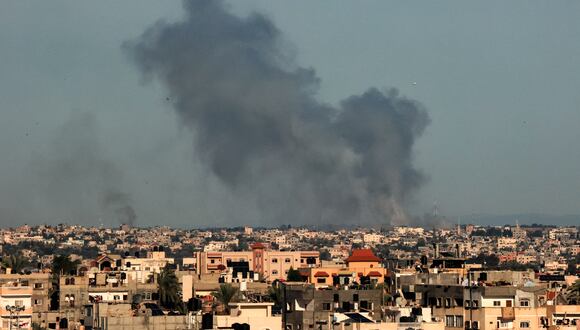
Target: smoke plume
[[79, 182], [259, 128]]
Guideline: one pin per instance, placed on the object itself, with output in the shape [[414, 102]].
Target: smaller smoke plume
[[78, 181], [119, 204]]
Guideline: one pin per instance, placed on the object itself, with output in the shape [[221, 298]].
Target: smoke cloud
[[259, 128], [78, 181]]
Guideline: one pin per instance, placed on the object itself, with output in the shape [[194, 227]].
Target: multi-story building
[[270, 264], [41, 285], [362, 267], [310, 308], [15, 306]]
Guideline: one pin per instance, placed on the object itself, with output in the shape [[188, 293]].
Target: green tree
[[325, 255], [62, 264], [293, 275], [15, 262], [225, 294], [276, 295], [572, 294], [168, 288]]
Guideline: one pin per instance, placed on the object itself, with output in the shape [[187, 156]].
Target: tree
[[293, 275], [168, 288], [15, 262], [276, 295], [325, 255], [225, 294], [62, 264], [572, 294]]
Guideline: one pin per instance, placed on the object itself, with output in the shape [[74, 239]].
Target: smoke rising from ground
[[78, 182], [259, 128]]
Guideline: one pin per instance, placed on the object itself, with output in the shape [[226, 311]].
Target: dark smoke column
[[258, 127]]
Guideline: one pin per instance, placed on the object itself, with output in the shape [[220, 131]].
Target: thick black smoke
[[259, 128]]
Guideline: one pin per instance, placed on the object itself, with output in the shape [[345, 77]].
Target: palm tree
[[225, 294], [572, 294], [276, 295], [168, 288], [15, 262], [62, 264]]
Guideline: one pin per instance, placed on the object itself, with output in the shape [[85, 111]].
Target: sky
[[499, 80]]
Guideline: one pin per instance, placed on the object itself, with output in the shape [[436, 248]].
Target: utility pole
[[15, 310]]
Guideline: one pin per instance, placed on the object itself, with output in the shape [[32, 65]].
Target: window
[[525, 324], [474, 325], [18, 303], [212, 261], [38, 285], [364, 304], [454, 321], [524, 303], [449, 321], [501, 324], [325, 306], [287, 260], [274, 260], [321, 280], [458, 321], [274, 272], [38, 301], [447, 302], [496, 303], [474, 304]]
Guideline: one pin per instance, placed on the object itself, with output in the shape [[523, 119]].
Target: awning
[[374, 273], [321, 274]]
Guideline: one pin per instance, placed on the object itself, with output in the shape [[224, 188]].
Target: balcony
[[507, 314], [16, 291]]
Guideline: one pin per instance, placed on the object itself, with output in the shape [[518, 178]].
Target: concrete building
[[41, 285], [15, 306], [362, 267], [271, 265]]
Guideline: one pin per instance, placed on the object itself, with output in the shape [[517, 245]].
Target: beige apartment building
[[15, 306], [271, 265], [40, 284]]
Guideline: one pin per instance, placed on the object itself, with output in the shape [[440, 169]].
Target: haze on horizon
[[499, 81]]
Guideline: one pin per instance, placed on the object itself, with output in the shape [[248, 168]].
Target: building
[[16, 306], [269, 264], [41, 285], [362, 267], [307, 307]]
